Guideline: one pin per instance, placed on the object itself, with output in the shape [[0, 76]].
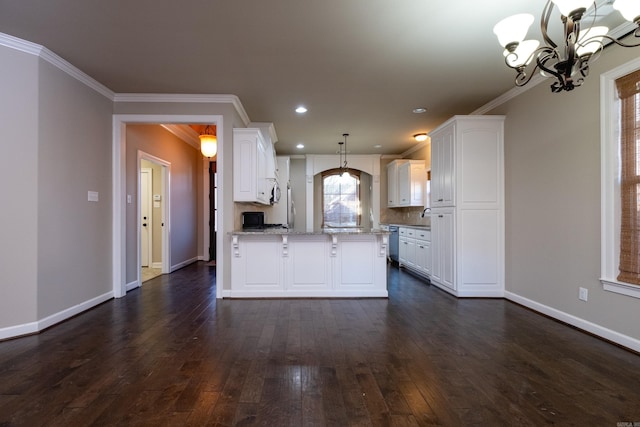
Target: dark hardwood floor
[[170, 354]]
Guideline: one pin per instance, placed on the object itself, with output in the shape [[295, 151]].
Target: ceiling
[[359, 66]]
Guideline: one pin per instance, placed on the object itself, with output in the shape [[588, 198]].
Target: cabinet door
[[404, 184], [443, 247], [402, 250], [442, 168], [392, 184], [417, 182], [423, 256]]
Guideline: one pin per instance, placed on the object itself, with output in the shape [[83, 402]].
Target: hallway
[[170, 354]]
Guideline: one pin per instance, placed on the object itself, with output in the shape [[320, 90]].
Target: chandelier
[[567, 64]]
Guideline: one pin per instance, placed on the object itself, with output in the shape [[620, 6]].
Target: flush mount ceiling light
[[301, 110], [208, 142], [420, 137], [300, 146], [568, 63], [419, 110]]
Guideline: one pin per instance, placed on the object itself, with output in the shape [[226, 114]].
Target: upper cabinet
[[254, 168], [442, 167], [406, 180]]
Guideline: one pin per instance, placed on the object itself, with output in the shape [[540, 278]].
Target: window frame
[[610, 180], [334, 172]]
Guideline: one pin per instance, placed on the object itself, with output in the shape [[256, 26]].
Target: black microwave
[[252, 220]]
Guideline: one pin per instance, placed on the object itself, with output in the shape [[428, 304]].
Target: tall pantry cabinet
[[467, 206]]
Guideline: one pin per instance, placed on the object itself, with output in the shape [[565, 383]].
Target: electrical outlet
[[583, 294]]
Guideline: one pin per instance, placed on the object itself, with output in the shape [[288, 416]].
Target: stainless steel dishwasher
[[394, 243]]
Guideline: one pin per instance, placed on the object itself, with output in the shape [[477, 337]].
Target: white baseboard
[[18, 330], [132, 285], [33, 327], [183, 264], [585, 325]]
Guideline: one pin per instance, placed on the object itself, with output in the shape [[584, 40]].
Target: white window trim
[[610, 181]]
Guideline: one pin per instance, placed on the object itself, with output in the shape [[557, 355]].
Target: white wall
[[18, 187], [74, 157]]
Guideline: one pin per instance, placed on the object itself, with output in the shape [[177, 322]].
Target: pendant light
[[208, 142], [342, 148]]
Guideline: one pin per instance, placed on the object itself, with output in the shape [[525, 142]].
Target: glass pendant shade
[[522, 55], [513, 29], [630, 9], [208, 145], [590, 40], [568, 6]]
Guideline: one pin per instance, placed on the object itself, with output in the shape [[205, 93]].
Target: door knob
[[144, 225]]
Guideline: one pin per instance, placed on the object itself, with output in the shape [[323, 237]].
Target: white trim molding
[[585, 325], [45, 54], [610, 180], [186, 98], [39, 325]]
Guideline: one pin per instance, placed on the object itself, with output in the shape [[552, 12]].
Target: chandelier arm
[[544, 23]]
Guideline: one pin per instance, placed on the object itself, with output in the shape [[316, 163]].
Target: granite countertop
[[279, 231], [417, 226]]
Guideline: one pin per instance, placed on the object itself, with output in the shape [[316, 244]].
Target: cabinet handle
[[440, 200], [440, 216]]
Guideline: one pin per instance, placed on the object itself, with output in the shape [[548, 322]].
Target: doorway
[[153, 216]]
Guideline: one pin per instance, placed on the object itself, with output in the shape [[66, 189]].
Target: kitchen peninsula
[[329, 263]]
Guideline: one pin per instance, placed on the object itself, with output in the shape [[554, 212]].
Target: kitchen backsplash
[[409, 216]]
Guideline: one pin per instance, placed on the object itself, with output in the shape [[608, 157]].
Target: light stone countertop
[[328, 231]]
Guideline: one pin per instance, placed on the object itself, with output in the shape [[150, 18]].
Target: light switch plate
[[92, 196]]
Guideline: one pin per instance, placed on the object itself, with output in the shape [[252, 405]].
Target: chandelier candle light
[[568, 64]]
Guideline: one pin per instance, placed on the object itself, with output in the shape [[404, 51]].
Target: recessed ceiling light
[[377, 146], [301, 110], [300, 146], [419, 110]]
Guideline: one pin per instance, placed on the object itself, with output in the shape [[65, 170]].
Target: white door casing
[[146, 212]]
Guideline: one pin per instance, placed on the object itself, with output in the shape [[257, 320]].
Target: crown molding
[[185, 133], [415, 148], [191, 98], [46, 55]]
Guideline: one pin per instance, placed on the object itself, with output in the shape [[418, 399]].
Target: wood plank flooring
[[170, 354]]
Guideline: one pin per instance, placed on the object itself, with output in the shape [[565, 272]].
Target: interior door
[[145, 216]]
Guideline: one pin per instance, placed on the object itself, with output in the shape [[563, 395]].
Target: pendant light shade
[[208, 142]]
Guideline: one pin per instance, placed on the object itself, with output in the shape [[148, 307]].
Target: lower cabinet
[[442, 244], [415, 250], [308, 265]]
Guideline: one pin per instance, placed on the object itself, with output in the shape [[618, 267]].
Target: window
[[629, 94], [620, 169], [341, 198]]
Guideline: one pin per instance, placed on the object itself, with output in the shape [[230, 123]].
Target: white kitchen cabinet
[[415, 249], [252, 179], [467, 197], [392, 183], [406, 180], [443, 247], [412, 178], [407, 248], [423, 252], [442, 168]]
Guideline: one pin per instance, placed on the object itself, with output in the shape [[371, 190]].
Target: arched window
[[341, 198]]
